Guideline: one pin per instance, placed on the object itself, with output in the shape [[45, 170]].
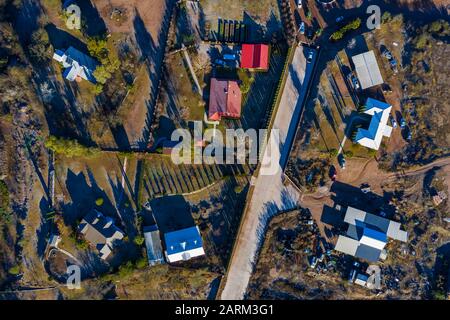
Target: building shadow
[[171, 213]]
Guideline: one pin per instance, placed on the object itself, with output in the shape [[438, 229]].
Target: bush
[[99, 202], [421, 41], [348, 153], [139, 240], [126, 269], [386, 17], [333, 152], [355, 24], [14, 270], [141, 263]]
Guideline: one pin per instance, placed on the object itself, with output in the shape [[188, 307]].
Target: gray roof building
[[101, 232], [367, 234], [366, 66], [153, 244]]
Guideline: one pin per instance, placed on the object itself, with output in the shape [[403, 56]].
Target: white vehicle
[[301, 29], [299, 4], [310, 57]]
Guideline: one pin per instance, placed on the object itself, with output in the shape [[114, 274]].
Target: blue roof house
[[378, 127], [78, 65], [183, 244]]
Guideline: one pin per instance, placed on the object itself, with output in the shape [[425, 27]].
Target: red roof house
[[224, 99], [255, 56]]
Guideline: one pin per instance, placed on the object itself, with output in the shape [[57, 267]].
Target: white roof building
[[366, 66], [378, 127], [368, 234], [78, 65]]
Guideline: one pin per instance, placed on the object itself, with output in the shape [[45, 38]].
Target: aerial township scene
[[224, 149]]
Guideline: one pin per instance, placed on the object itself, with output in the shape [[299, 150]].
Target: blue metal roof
[[373, 103], [375, 234], [183, 240], [375, 121]]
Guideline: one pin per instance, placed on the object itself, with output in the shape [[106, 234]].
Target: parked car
[[409, 136], [354, 81], [299, 4], [310, 56], [339, 19], [393, 123], [402, 123], [301, 29], [342, 161], [387, 54]]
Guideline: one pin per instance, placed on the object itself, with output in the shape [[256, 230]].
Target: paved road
[[270, 194]]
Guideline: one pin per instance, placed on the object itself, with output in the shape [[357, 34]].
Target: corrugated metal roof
[[366, 66], [183, 240], [153, 245]]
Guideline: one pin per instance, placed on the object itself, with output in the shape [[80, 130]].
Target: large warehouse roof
[[366, 66]]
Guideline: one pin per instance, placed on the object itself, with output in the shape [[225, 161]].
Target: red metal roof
[[255, 56], [224, 99]]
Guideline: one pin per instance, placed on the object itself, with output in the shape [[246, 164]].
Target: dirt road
[[270, 193]]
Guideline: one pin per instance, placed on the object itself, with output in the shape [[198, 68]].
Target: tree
[[70, 148], [39, 48], [139, 240], [386, 17], [110, 63]]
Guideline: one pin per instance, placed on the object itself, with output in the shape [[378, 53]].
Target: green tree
[[40, 48], [139, 240], [386, 17]]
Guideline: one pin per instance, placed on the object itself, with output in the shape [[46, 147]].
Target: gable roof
[[77, 63], [183, 240], [366, 67], [367, 234], [255, 56], [378, 126], [100, 231], [224, 99]]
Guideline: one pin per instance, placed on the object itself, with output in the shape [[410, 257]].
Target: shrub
[[141, 263], [139, 240], [333, 152], [348, 153], [355, 24], [386, 17], [15, 270], [99, 202]]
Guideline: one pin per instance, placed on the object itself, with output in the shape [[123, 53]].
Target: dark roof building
[[255, 56], [101, 232], [224, 99]]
